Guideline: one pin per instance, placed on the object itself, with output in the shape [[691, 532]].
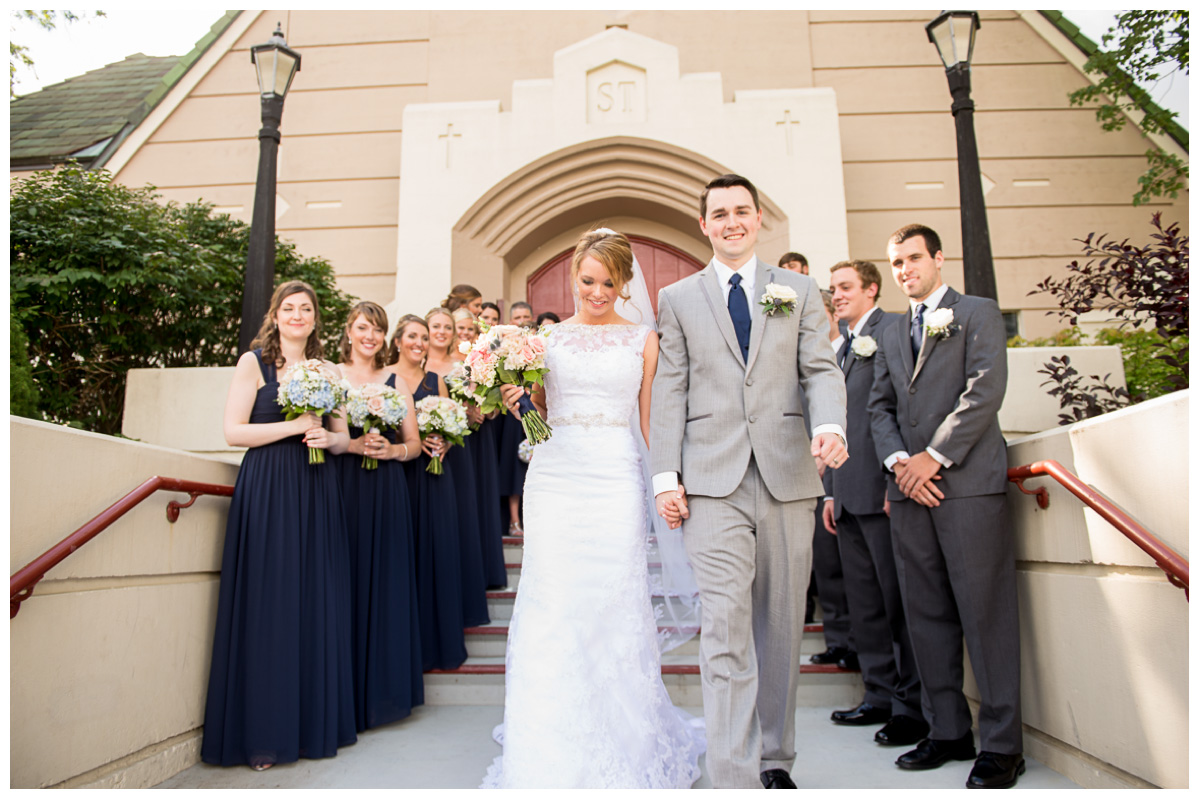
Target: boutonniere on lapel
[[777, 297], [940, 323], [863, 346]]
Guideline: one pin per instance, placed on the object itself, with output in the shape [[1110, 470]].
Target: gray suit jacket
[[710, 410], [859, 486], [948, 400]]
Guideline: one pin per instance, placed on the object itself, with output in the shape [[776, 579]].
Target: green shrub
[[105, 279]]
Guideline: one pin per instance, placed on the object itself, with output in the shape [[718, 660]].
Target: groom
[[727, 420]]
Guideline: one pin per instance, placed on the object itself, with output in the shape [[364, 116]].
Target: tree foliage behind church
[[104, 279], [1147, 47]]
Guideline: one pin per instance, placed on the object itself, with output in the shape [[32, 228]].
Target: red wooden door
[[549, 289]]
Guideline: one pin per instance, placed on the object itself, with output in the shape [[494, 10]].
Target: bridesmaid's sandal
[[261, 767], [514, 529]]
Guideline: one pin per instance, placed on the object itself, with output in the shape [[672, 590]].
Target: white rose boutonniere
[[939, 323], [777, 297], [864, 346]]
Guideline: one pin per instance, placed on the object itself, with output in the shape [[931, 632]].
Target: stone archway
[[549, 289], [530, 217]]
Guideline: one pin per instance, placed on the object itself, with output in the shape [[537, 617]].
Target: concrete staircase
[[480, 681], [447, 742]]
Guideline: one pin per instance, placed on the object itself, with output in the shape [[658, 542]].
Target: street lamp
[[276, 65], [953, 33]]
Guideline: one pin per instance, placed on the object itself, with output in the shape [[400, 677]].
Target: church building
[[423, 149]]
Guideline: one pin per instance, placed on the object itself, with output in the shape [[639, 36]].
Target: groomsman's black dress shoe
[[849, 661], [902, 729], [996, 771], [862, 714], [832, 655], [932, 753], [777, 779]]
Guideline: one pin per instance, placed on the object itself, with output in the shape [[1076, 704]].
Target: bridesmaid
[[481, 446], [280, 687], [385, 624], [464, 296], [442, 349], [434, 512], [489, 314]]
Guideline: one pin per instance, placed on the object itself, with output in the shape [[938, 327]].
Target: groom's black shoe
[[862, 714], [932, 753], [777, 779]]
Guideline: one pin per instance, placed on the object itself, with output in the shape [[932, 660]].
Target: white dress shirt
[[931, 302]]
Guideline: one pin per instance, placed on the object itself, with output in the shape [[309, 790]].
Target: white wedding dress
[[585, 705]]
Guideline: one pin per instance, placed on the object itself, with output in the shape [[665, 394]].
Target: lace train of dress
[[585, 705]]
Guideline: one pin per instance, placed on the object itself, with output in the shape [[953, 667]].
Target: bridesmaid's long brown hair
[[268, 333]]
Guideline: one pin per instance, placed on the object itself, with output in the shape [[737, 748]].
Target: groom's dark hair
[[725, 182]]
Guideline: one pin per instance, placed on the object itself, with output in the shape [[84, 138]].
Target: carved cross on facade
[[787, 122], [450, 136]]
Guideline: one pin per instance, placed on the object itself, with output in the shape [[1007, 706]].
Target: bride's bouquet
[[374, 408], [508, 354], [444, 417], [310, 386]]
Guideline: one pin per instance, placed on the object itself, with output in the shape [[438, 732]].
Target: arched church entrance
[[549, 288]]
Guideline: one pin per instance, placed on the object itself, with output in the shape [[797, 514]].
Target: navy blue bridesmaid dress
[[482, 447], [386, 629], [439, 572], [281, 686], [474, 583]]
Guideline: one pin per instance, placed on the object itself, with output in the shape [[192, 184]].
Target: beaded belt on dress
[[589, 421]]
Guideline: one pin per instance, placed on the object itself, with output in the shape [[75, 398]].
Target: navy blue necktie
[[739, 312], [918, 330], [844, 350]]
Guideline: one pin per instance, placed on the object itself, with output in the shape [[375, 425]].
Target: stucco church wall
[[1052, 175]]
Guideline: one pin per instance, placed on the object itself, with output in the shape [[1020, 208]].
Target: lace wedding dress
[[585, 705]]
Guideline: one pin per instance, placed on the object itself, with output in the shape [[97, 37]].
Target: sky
[[75, 48]]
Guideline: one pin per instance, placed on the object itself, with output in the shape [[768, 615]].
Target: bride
[[585, 705]]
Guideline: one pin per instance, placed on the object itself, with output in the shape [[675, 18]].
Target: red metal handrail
[[20, 585], [1174, 565]]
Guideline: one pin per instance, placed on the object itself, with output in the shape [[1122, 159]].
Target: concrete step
[[490, 640], [480, 681]]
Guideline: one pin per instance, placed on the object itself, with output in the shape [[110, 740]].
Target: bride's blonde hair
[[612, 250]]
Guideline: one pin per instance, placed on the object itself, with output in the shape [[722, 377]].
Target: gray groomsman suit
[[956, 564], [864, 539], [734, 431]]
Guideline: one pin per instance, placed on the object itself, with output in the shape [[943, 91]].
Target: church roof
[[88, 116]]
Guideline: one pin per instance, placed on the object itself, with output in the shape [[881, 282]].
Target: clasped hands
[[915, 477], [827, 448]]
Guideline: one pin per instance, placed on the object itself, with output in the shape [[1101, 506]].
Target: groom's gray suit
[[734, 432]]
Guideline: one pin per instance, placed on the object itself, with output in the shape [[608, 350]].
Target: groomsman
[[856, 515], [940, 376]]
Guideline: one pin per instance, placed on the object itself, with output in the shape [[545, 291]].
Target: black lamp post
[[276, 65], [953, 33]]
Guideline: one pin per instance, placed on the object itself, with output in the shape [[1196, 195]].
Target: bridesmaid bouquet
[[458, 386], [310, 386], [442, 416], [508, 354], [375, 407]]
